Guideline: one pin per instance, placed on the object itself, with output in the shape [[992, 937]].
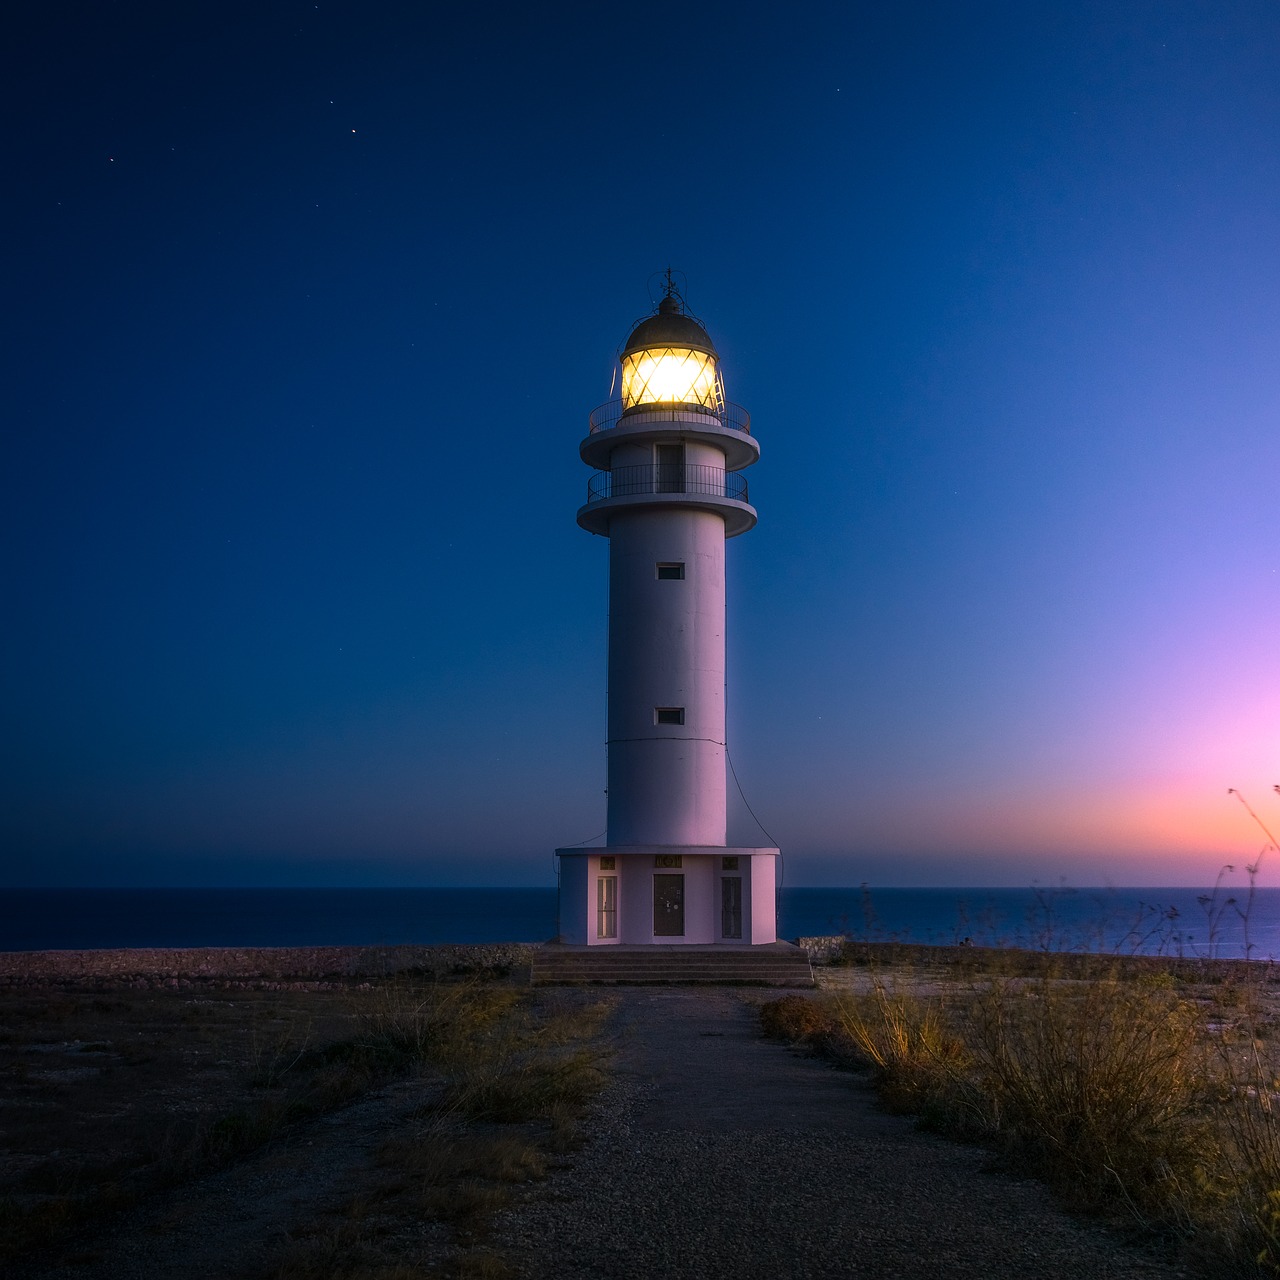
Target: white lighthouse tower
[[668, 492]]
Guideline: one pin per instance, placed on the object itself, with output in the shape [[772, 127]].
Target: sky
[[308, 304]]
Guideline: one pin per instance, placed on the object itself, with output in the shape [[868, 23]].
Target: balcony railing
[[733, 416], [667, 477]]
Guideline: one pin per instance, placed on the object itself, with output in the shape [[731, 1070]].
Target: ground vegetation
[[1141, 1088], [118, 1096]]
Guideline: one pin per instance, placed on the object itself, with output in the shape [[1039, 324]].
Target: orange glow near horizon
[[1157, 831]]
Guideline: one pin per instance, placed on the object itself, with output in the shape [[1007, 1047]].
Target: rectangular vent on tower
[[668, 715], [671, 572]]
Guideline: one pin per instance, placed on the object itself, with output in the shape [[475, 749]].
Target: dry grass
[[113, 1097], [1132, 1091], [909, 1042], [515, 1080], [1101, 1084], [1246, 1060]]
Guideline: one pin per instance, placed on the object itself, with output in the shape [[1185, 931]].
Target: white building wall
[[666, 649], [764, 914], [635, 906], [631, 455], [701, 901], [698, 453]]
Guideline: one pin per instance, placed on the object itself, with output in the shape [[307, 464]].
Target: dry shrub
[[513, 1068], [1249, 1111], [503, 1059], [566, 1022], [1254, 1226], [513, 1087], [399, 1026], [407, 1020], [1102, 1083], [797, 1020], [918, 1059], [1125, 1094]]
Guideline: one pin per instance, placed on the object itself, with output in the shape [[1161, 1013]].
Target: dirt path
[[717, 1154]]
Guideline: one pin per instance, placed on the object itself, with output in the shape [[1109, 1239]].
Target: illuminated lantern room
[[669, 360]]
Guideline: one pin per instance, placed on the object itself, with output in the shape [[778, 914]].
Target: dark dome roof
[[670, 328]]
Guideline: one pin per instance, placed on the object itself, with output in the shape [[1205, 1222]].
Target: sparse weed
[[1099, 1083], [501, 1064], [1129, 1086], [797, 1019], [251, 1065], [918, 1058]]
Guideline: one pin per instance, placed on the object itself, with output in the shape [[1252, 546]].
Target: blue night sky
[[308, 305]]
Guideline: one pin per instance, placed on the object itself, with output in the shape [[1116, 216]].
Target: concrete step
[[685, 966], [780, 965], [601, 971]]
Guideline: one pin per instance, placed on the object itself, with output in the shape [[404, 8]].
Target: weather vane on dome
[[672, 296]]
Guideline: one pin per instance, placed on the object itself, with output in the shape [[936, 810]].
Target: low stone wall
[[251, 967], [821, 950]]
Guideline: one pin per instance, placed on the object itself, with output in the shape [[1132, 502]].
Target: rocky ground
[[710, 1152], [242, 968]]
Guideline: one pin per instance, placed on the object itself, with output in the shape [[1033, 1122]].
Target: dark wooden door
[[668, 906]]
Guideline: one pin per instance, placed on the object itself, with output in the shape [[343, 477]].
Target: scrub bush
[[798, 1020], [1101, 1084], [919, 1060], [1133, 1091]]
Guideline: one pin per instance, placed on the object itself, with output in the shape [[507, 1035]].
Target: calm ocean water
[[1173, 921]]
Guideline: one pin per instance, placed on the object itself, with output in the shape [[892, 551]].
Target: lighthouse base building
[[698, 894], [667, 492]]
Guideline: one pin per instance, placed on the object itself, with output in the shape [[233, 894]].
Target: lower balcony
[[668, 485]]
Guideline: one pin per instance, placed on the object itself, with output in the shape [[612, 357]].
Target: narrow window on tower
[[668, 715], [672, 570]]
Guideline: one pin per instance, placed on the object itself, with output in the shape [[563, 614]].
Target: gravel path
[[717, 1154]]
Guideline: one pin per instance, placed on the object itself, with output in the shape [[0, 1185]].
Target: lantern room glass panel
[[670, 375]]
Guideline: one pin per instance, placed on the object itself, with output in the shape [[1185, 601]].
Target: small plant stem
[[1275, 844]]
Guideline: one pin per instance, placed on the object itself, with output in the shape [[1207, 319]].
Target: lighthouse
[[668, 492]]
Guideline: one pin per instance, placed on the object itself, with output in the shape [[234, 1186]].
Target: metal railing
[[733, 416], [667, 477]]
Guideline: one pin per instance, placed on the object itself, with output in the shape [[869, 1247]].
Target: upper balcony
[[693, 485], [607, 416], [727, 428]]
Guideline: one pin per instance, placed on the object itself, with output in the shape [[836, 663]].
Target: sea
[[1180, 922]]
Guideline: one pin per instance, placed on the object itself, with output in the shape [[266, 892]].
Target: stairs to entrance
[[778, 964]]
